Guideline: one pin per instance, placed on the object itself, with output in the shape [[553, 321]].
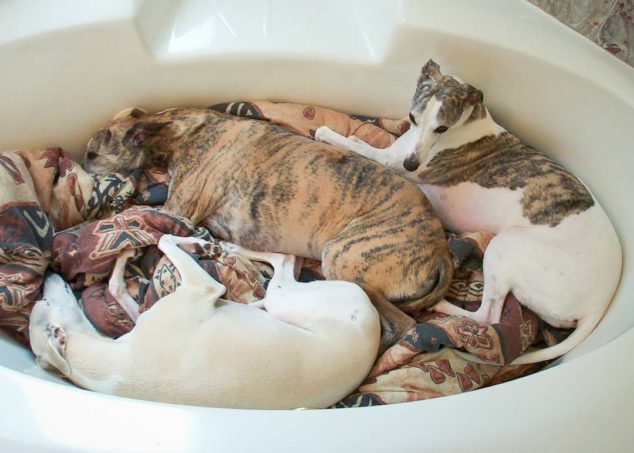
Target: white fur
[[470, 207], [424, 128], [465, 133], [312, 346], [567, 274]]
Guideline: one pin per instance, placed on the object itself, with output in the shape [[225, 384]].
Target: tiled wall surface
[[609, 23]]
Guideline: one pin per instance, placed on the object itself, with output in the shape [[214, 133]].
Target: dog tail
[[584, 328]]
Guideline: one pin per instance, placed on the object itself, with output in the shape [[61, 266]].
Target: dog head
[[128, 142], [441, 102], [48, 338], [52, 317]]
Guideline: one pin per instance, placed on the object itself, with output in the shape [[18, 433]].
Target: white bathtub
[[66, 67]]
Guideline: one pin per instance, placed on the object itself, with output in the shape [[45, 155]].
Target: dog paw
[[324, 134]]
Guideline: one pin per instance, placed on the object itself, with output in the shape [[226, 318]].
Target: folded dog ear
[[56, 337], [142, 134], [474, 96], [430, 69], [132, 112]]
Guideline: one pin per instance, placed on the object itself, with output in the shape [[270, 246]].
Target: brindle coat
[[268, 189], [477, 175], [551, 193]]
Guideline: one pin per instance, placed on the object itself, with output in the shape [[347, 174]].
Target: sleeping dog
[[266, 188], [554, 248], [312, 346]]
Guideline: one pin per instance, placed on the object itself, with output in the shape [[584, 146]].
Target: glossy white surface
[[68, 66], [582, 406]]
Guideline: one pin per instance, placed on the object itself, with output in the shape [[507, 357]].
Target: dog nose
[[411, 164]]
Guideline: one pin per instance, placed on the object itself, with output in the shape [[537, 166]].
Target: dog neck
[[181, 125], [477, 124]]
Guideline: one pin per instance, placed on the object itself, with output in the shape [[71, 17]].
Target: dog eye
[[411, 118], [90, 155], [441, 129]]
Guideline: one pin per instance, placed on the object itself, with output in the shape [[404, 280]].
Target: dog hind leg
[[117, 286], [496, 288], [301, 304]]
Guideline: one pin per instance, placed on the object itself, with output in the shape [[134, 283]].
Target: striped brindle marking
[[268, 189], [555, 248], [550, 193]]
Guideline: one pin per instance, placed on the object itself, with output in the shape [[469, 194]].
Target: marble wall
[[609, 23]]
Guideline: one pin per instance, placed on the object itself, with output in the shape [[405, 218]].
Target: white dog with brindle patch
[[555, 248], [312, 346]]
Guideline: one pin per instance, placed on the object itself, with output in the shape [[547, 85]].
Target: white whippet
[[312, 346], [554, 248]]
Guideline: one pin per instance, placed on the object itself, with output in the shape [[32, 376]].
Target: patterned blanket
[[54, 215]]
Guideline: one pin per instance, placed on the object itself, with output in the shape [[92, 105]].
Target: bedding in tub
[[54, 215]]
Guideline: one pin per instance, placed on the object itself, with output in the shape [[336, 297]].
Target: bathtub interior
[[63, 79]]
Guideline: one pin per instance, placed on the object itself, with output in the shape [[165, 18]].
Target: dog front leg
[[326, 135], [392, 156], [192, 275], [277, 301]]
